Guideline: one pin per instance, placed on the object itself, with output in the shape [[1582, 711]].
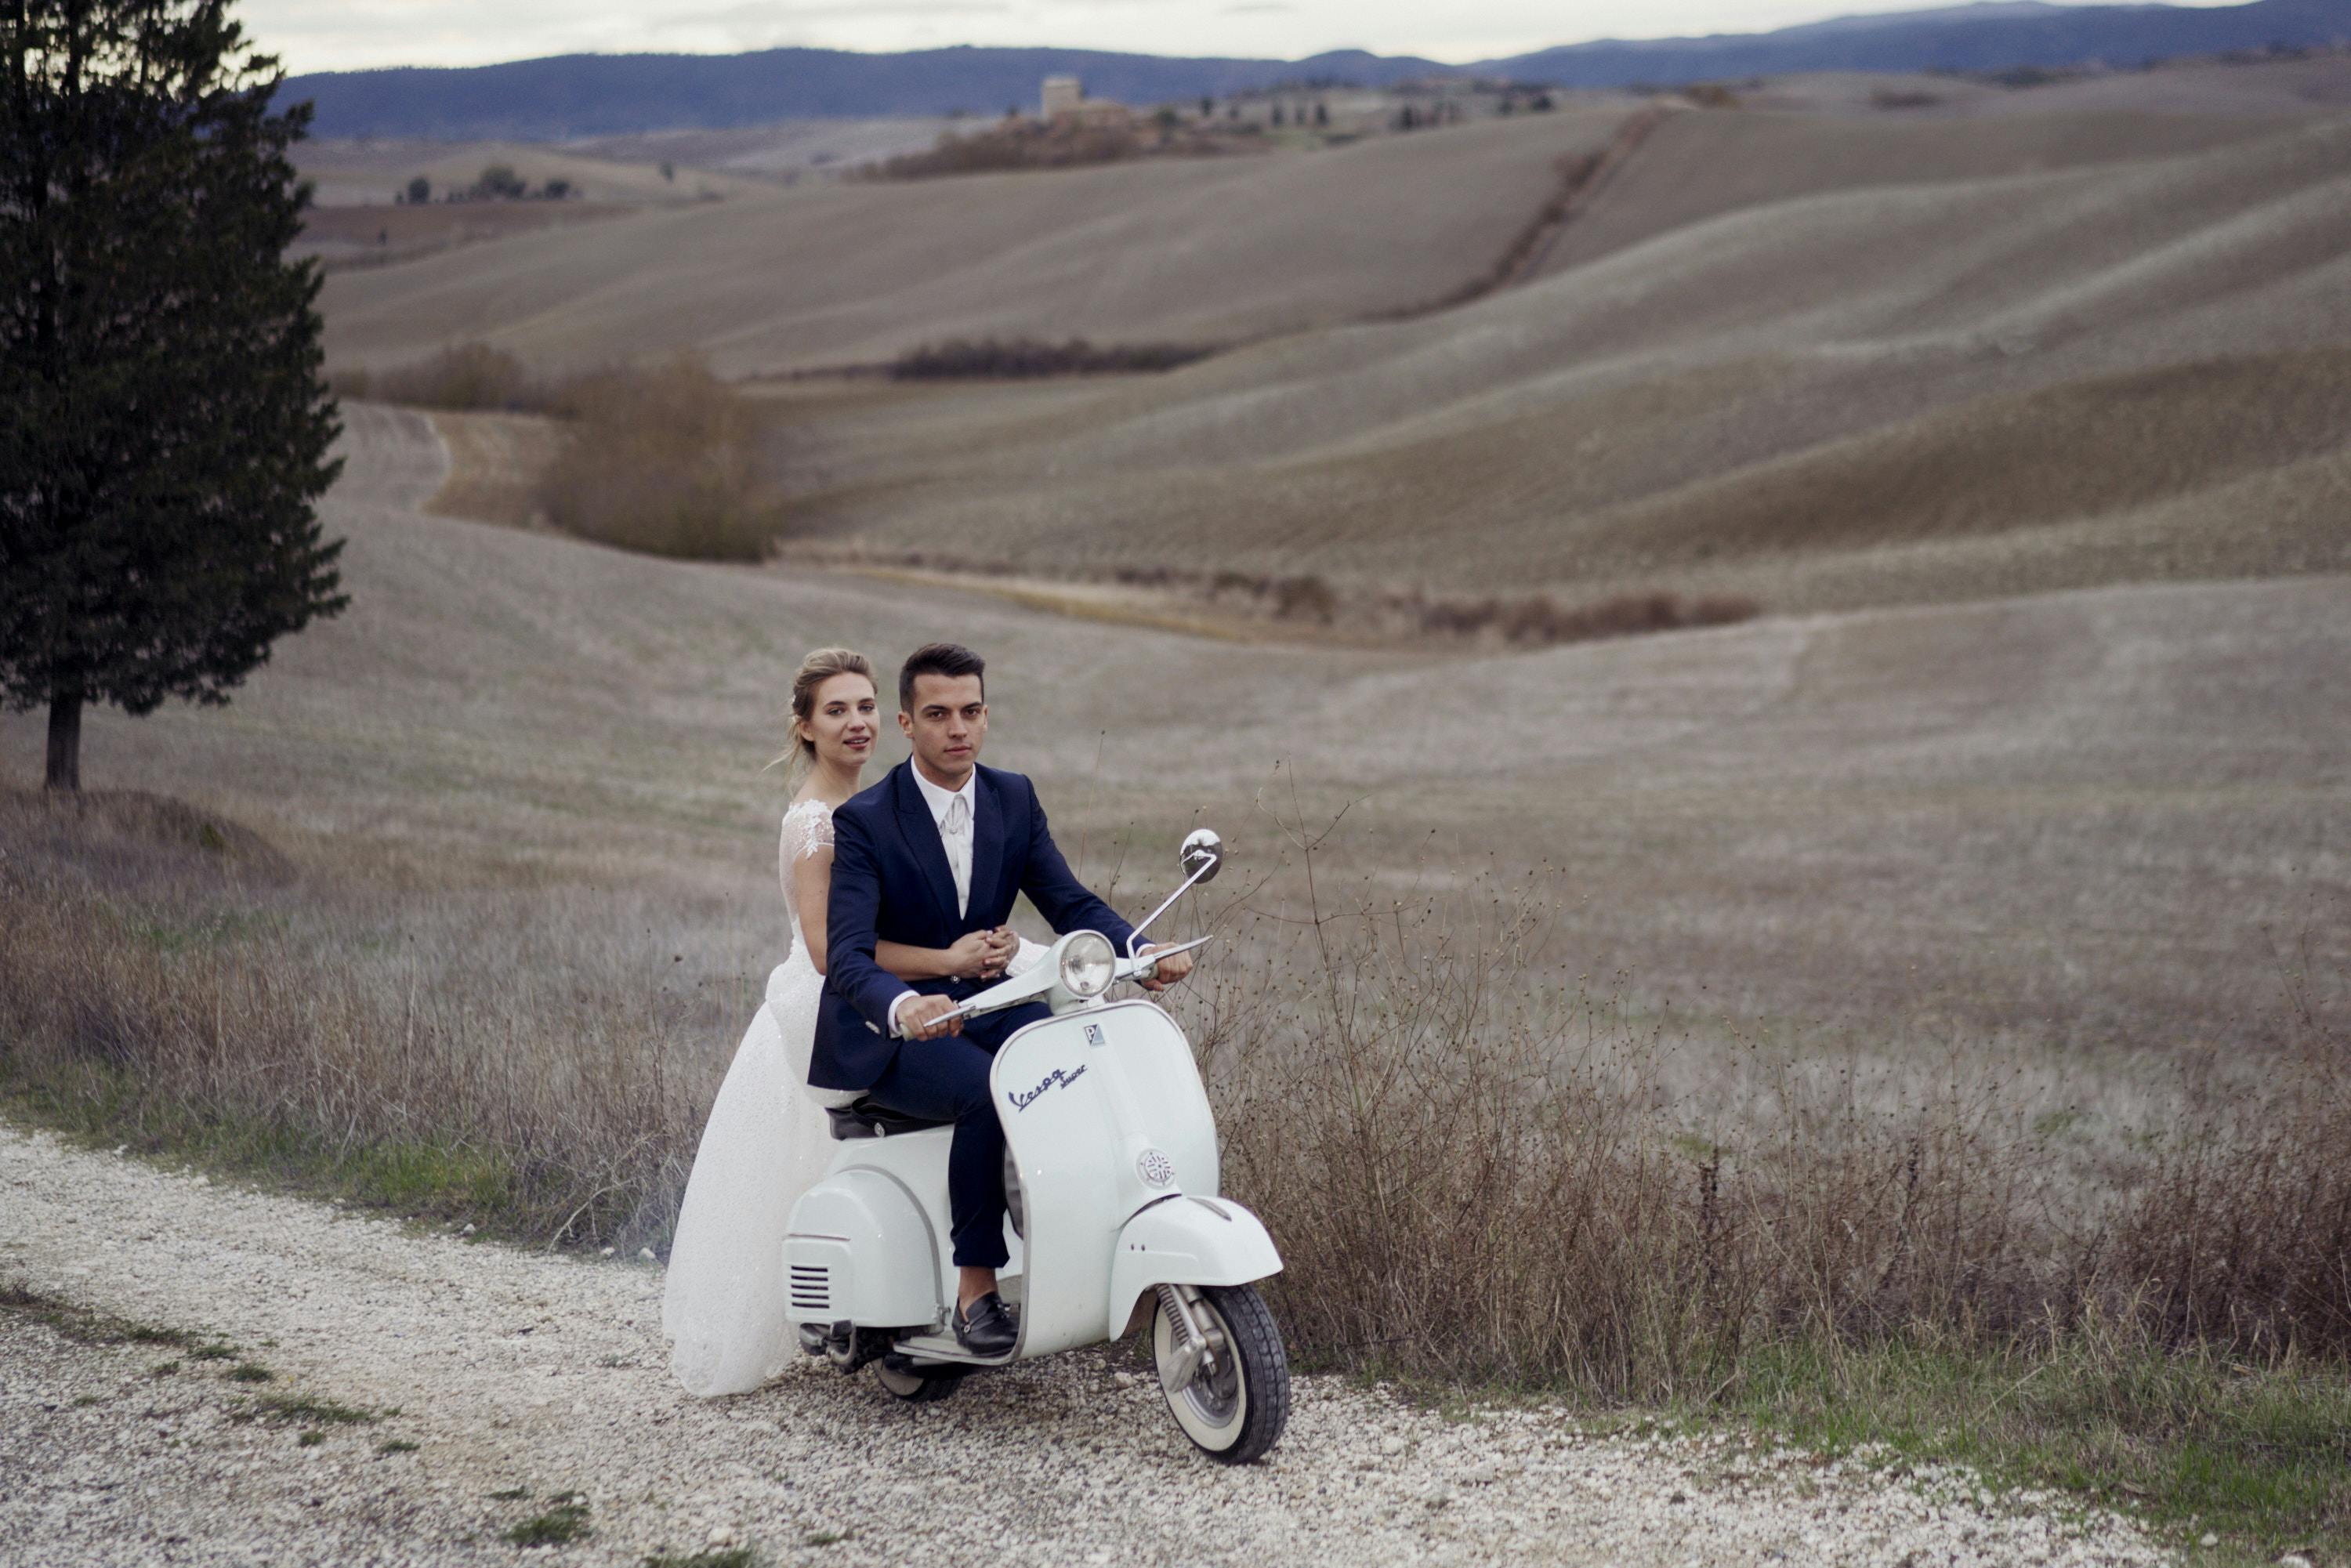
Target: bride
[[766, 1141]]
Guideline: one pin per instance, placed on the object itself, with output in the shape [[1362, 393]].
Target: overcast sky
[[355, 34]]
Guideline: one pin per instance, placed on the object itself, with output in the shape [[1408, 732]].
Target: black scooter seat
[[865, 1119]]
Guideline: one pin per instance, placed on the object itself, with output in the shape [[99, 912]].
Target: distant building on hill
[[1063, 101]]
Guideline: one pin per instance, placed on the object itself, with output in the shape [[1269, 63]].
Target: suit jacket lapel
[[921, 832], [986, 850]]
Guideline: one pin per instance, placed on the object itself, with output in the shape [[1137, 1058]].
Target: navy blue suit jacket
[[891, 884]]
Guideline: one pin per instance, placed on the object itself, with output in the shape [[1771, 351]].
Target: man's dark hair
[[939, 659]]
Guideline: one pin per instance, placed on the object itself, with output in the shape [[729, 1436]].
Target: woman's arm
[[811, 891]]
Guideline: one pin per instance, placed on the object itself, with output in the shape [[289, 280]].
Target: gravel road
[[521, 1378]]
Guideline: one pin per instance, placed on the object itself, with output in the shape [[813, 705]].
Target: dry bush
[[537, 1058], [1478, 1172], [463, 378], [1538, 620], [662, 461], [1013, 359], [1016, 144], [1476, 1167]]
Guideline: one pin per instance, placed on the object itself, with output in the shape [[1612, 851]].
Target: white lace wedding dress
[[766, 1143]]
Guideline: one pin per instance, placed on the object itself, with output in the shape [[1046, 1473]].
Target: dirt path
[[516, 1372]]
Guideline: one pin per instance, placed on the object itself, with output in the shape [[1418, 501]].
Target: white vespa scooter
[[1112, 1174]]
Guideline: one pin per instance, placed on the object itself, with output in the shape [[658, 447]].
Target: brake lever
[[1151, 961]]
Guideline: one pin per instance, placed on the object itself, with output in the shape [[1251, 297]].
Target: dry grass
[[367, 172], [1158, 250], [379, 234], [497, 462], [1880, 393], [1963, 929]]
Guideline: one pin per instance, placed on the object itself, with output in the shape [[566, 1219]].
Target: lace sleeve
[[808, 830]]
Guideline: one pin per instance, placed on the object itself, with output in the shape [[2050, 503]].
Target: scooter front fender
[[1186, 1240]]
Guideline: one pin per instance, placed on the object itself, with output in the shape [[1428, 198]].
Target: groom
[[939, 849]]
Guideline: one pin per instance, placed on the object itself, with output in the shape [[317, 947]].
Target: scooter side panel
[[1103, 1112], [860, 1249]]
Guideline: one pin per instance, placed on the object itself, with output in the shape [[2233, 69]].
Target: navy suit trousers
[[945, 1080]]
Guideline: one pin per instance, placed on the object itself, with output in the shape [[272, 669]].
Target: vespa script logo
[[1057, 1079]]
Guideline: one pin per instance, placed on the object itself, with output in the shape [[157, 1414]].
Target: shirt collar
[[937, 799]]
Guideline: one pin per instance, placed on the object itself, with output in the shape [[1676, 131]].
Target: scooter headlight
[[1087, 963]]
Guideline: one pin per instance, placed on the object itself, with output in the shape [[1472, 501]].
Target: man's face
[[949, 721]]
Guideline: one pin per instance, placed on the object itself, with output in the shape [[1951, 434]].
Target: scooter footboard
[[1187, 1241]]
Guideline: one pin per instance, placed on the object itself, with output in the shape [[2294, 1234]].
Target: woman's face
[[843, 721]]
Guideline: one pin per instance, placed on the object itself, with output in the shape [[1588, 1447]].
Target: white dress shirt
[[953, 812]]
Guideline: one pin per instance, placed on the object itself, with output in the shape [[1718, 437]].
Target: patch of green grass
[[309, 1439], [828, 1537], [2187, 1442], [512, 1494], [308, 1410], [397, 1446], [212, 1353], [82, 1324], [84, 1401], [104, 1106], [566, 1521], [249, 1372], [163, 1369], [723, 1557]]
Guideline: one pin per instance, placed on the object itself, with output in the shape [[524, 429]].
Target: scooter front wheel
[[1235, 1400]]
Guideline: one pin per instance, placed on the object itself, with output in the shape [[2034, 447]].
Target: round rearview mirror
[[1202, 854]]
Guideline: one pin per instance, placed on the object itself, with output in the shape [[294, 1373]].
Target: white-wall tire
[[1236, 1412]]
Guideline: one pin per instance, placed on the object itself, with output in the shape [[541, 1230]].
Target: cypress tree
[[164, 425]]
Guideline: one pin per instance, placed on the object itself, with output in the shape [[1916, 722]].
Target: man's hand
[[928, 1017], [982, 955], [1170, 970]]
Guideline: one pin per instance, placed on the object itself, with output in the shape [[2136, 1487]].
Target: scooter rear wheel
[[915, 1384], [1233, 1410]]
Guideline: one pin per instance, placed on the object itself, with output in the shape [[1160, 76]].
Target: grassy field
[[1904, 984], [1180, 250], [1917, 1014]]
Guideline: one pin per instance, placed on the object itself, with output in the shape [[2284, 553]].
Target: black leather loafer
[[986, 1327]]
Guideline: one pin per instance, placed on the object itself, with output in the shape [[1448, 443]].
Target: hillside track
[[523, 1377]]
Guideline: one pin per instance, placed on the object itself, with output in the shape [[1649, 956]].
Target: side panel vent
[[811, 1289]]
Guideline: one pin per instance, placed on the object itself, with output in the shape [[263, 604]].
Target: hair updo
[[820, 666]]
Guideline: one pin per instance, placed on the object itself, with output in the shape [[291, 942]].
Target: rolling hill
[[1196, 250], [601, 95], [1731, 378]]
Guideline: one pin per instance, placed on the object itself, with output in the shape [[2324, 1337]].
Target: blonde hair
[[820, 665]]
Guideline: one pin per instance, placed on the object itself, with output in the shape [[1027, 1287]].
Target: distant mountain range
[[593, 95]]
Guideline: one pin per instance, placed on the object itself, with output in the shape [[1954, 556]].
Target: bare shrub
[[1477, 1167], [1016, 144], [1013, 359], [663, 461], [463, 378], [1479, 1172]]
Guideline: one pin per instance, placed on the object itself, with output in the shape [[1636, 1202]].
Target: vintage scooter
[[1112, 1174]]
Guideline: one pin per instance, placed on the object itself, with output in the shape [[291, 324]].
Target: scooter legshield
[[1187, 1241]]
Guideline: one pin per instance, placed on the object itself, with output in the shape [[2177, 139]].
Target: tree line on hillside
[[496, 183]]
